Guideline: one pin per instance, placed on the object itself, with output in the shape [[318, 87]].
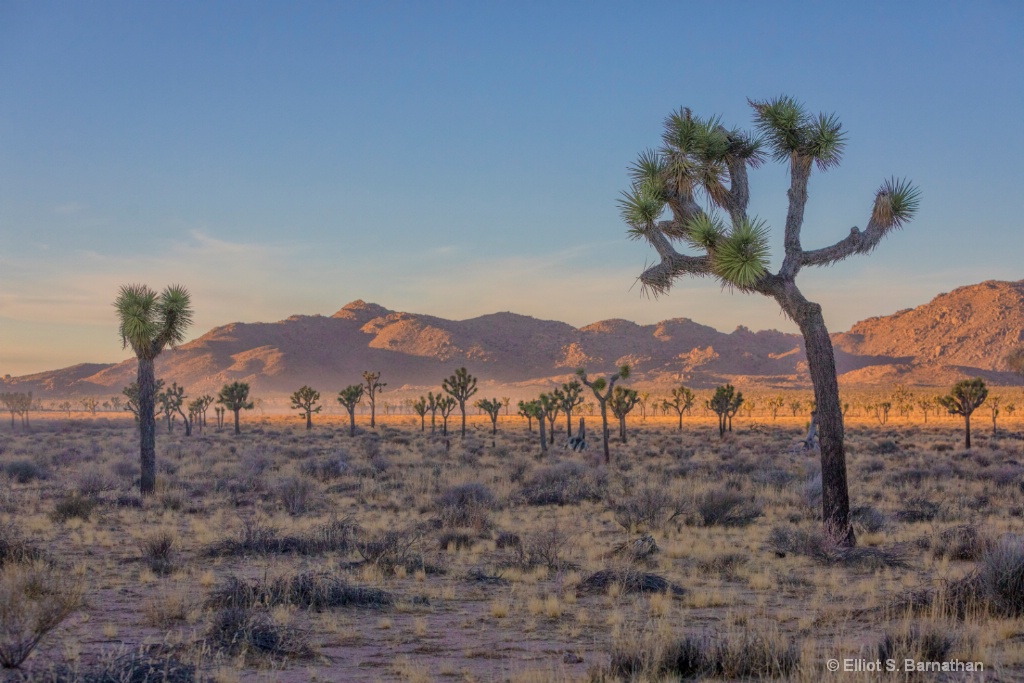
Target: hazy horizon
[[463, 159]]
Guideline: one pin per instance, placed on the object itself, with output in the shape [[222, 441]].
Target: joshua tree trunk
[[967, 430], [543, 436], [622, 428], [147, 424], [604, 431], [352, 421], [821, 363], [237, 430]]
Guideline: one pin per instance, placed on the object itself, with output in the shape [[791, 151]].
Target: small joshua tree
[[491, 407], [306, 400], [964, 399], [623, 400], [18, 403], [569, 397], [350, 397], [1015, 361], [445, 405], [682, 402], [171, 400], [549, 405], [725, 403], [602, 389], [994, 409], [903, 400], [235, 397], [774, 404], [371, 380], [89, 404], [926, 405], [419, 407], [460, 386], [526, 410], [195, 410]]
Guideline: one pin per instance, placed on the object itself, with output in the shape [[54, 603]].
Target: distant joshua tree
[[305, 400], [526, 410], [964, 398], [350, 397], [460, 386], [725, 403], [549, 407], [420, 408], [535, 409], [372, 383], [774, 404], [903, 400], [505, 400], [171, 401], [623, 400], [602, 389], [149, 322], [1015, 361], [18, 403], [89, 404], [492, 407], [699, 174], [682, 402], [446, 404], [235, 397], [570, 396]]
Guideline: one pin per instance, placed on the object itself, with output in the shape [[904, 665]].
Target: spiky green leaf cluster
[[741, 257], [896, 202], [705, 232], [148, 321], [788, 129]]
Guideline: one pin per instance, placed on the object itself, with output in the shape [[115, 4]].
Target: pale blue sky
[[461, 158]]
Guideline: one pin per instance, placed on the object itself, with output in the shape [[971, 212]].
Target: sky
[[464, 158]]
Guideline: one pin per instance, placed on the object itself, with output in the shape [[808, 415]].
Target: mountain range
[[963, 333]]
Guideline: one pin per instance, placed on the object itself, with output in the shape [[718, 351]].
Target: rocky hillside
[[966, 332]]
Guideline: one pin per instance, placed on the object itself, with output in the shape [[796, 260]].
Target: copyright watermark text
[[855, 665]]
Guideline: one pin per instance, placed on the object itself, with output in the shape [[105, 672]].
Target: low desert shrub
[[722, 507], [466, 505], [245, 631], [25, 471], [258, 538], [310, 590], [565, 483], [743, 655], [963, 542], [650, 507], [34, 599], [73, 505], [629, 580], [159, 552], [296, 494], [824, 549], [930, 642]]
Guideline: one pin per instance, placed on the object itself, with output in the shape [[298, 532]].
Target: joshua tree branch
[[857, 242], [739, 190], [799, 173]]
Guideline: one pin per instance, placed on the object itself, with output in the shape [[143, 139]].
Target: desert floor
[[283, 554]]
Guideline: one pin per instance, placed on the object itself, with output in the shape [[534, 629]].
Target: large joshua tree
[[695, 189], [150, 322]]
